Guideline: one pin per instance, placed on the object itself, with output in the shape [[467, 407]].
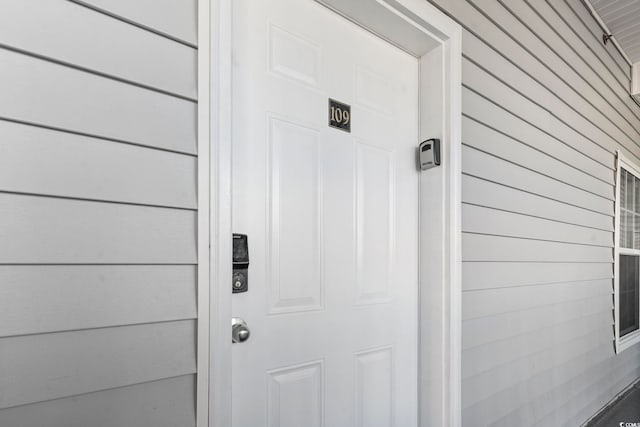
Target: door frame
[[440, 216]]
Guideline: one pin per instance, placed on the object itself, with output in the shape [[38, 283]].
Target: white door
[[331, 218]]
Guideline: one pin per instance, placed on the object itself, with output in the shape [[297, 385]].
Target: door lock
[[239, 330], [240, 277]]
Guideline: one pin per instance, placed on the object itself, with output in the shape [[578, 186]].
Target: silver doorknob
[[239, 330]]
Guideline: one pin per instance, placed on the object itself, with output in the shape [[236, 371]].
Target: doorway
[[331, 215], [339, 279]]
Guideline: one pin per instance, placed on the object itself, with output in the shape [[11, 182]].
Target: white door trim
[[214, 187], [203, 217], [214, 178]]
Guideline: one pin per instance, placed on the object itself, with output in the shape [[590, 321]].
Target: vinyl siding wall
[[545, 107], [97, 213]]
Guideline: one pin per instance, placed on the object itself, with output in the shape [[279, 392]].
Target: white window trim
[[621, 343]]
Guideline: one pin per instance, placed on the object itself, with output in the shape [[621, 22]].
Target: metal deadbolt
[[239, 330]]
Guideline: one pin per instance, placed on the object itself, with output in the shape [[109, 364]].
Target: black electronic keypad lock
[[240, 279]]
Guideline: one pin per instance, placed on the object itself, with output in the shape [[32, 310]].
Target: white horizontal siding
[[490, 358], [67, 297], [48, 94], [485, 330], [491, 168], [585, 393], [580, 20], [546, 111], [482, 247], [508, 370], [98, 213], [561, 78], [490, 302], [489, 275], [481, 220], [492, 114], [481, 192], [556, 16], [68, 165], [528, 400], [163, 403], [174, 18], [50, 366], [67, 32], [43, 230], [501, 145], [568, 59], [545, 107]]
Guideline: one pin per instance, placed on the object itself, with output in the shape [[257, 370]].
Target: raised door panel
[[295, 231], [296, 396]]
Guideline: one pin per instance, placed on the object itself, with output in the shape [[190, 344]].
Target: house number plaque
[[339, 115]]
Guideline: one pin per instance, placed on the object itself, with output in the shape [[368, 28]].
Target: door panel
[[295, 227], [332, 220]]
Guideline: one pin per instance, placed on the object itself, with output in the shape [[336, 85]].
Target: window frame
[[622, 343]]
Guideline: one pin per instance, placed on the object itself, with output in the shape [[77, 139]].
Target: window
[[627, 254]]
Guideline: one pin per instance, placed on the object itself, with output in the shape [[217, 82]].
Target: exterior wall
[[545, 107], [97, 213]]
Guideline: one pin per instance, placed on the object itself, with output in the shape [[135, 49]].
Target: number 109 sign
[[339, 115]]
